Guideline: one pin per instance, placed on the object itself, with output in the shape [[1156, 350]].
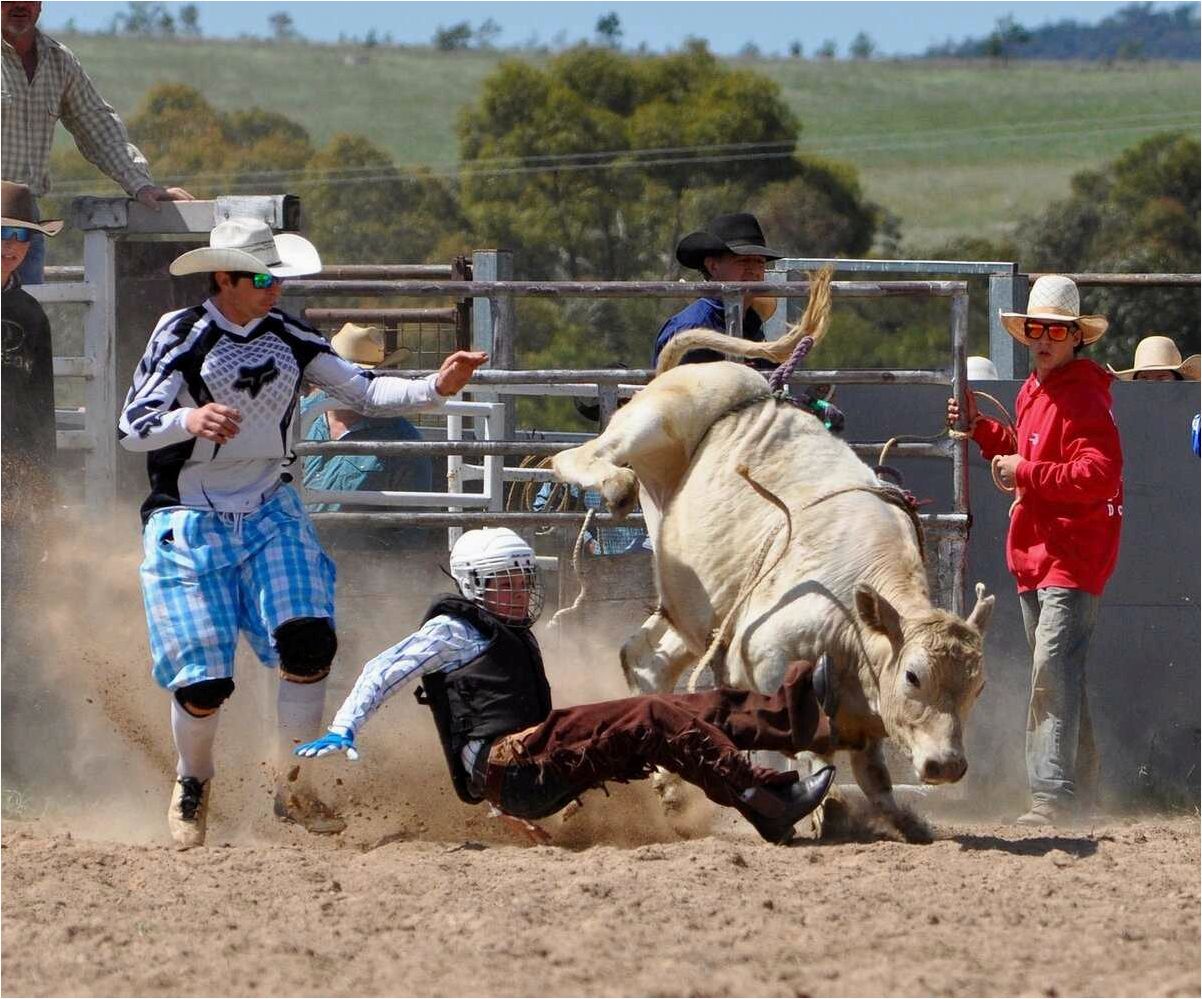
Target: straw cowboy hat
[[1159, 353], [738, 233], [1054, 297], [17, 209], [981, 369], [364, 346], [248, 245]]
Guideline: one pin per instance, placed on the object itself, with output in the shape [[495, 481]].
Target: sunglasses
[[1034, 329], [17, 232], [265, 281]]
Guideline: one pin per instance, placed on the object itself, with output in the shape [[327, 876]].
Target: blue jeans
[[1059, 624], [33, 267]]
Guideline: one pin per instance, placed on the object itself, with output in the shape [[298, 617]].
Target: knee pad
[[206, 696], [306, 646]]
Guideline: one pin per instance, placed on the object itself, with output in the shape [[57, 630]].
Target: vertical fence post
[[494, 323], [1007, 293], [959, 331], [454, 473], [778, 324], [100, 393], [733, 304]]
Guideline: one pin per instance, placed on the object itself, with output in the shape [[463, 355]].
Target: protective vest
[[503, 690]]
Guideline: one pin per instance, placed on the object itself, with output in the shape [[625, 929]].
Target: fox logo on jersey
[[252, 379]]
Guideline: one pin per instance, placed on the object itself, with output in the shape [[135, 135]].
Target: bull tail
[[814, 323]]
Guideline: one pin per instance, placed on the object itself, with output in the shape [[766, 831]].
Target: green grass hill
[[952, 148]]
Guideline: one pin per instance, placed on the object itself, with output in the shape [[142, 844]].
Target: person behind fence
[[1157, 359], [228, 547], [619, 539], [44, 84], [27, 439], [482, 677], [730, 248], [1065, 463], [363, 346], [27, 456]]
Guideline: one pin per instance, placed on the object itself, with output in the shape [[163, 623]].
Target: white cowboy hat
[[364, 346], [1159, 353], [981, 369], [248, 245], [1054, 297]]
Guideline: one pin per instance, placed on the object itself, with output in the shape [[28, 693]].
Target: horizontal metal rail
[[1145, 280], [385, 272], [515, 449], [74, 367], [443, 315], [63, 273], [472, 519], [619, 289], [959, 267], [641, 376], [64, 291], [943, 523]]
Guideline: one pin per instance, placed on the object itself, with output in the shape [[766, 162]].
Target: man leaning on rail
[[228, 546], [44, 84]]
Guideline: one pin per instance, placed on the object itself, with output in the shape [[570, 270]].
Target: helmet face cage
[[515, 595]]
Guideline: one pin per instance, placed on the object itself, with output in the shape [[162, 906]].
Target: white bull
[[843, 574]]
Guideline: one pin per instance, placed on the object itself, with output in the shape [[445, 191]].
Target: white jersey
[[197, 356]]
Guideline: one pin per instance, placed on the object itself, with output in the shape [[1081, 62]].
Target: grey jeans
[[1062, 760]]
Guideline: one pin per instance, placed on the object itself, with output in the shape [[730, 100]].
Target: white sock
[[194, 739], [299, 710]]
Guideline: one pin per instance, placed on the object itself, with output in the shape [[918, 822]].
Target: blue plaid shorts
[[206, 576]]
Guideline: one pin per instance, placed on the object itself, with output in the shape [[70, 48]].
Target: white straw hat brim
[[1092, 327], [1190, 368], [47, 227], [298, 257]]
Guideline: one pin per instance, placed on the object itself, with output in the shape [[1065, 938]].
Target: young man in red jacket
[[1066, 468]]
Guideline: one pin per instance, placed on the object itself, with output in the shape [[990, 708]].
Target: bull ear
[[877, 614], [983, 611]]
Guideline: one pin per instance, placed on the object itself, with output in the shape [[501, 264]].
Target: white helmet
[[496, 570]]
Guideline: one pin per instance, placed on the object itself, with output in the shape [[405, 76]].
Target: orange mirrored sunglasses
[[1034, 329]]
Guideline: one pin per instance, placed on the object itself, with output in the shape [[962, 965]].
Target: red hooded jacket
[[1065, 528]]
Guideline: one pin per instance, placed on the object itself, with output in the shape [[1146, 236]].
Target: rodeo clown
[[228, 546], [482, 677]]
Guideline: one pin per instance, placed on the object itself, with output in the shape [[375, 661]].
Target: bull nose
[[945, 771]]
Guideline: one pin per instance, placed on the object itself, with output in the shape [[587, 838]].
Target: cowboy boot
[[775, 811]]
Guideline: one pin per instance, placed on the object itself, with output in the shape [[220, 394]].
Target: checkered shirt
[[61, 90]]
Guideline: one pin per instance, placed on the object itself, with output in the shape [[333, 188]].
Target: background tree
[[453, 39], [609, 30], [795, 49], [1140, 213], [827, 50], [487, 34], [862, 46], [282, 27], [189, 20]]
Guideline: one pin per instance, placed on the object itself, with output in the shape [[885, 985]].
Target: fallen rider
[[482, 677]]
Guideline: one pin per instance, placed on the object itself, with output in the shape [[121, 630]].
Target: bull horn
[[981, 613]]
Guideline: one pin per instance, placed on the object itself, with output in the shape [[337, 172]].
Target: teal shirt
[[363, 471]]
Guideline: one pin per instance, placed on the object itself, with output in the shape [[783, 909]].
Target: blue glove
[[334, 741]]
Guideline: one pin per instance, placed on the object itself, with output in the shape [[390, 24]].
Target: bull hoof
[[912, 827]]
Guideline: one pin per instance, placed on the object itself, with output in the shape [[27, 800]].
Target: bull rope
[[581, 579]]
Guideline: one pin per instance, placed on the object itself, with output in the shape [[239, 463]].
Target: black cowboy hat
[[738, 233]]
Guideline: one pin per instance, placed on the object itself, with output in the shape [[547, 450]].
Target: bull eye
[[912, 678]]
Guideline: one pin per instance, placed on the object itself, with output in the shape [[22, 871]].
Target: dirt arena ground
[[424, 896], [984, 910]]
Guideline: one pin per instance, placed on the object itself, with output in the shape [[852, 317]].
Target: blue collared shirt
[[705, 313]]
